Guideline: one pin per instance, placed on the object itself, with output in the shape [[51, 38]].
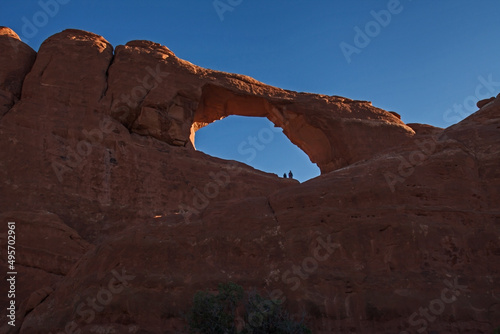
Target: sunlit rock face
[[116, 208], [153, 93]]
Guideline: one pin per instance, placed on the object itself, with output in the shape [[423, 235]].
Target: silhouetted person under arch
[[290, 175], [284, 175]]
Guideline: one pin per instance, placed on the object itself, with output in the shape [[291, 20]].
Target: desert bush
[[216, 313]]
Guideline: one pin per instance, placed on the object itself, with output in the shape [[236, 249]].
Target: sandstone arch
[[179, 98], [218, 102], [327, 142]]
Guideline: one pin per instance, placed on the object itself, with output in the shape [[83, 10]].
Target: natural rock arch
[[217, 102], [154, 93], [327, 142]]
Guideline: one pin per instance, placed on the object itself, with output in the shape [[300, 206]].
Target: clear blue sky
[[430, 61]]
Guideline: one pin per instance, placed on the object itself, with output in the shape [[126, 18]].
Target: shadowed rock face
[[120, 220], [16, 61]]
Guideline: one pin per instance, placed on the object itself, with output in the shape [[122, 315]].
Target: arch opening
[[257, 142]]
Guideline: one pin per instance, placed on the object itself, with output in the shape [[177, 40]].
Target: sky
[[428, 60]]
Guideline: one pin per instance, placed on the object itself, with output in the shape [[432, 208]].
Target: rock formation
[[120, 220], [17, 60]]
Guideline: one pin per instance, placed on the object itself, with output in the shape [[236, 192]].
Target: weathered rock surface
[[120, 220], [46, 249], [482, 103], [17, 60]]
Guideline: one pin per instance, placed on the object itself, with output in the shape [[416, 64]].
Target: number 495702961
[[11, 242]]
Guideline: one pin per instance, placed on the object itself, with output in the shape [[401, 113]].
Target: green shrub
[[266, 316], [215, 313]]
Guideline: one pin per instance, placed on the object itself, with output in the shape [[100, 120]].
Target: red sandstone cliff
[[114, 206]]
